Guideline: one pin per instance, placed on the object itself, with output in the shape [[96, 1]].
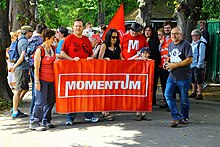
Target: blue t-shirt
[[178, 53], [59, 46], [22, 46]]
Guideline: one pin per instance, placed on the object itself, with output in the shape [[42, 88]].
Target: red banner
[[100, 85]]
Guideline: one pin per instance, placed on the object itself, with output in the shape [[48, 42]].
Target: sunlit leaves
[[68, 10]]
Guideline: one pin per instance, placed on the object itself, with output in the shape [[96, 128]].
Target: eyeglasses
[[175, 34], [195, 35], [167, 27], [114, 37]]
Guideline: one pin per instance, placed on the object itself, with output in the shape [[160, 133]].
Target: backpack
[[31, 48], [13, 51], [198, 49]]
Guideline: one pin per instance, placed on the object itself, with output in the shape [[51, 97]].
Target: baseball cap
[[27, 28], [145, 49]]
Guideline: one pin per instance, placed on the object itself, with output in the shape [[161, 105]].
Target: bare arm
[[102, 51], [65, 56], [20, 60], [59, 56], [37, 62], [185, 62]]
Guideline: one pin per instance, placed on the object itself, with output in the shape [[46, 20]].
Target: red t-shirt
[[77, 47], [131, 45]]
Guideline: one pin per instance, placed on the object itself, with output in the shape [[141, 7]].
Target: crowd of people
[[177, 64]]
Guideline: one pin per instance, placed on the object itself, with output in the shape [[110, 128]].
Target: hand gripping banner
[[100, 85]]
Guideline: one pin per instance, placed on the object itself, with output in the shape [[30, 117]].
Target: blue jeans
[[33, 90], [170, 92], [72, 116], [44, 102]]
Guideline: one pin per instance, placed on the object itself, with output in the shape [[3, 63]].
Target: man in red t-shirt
[[77, 46], [132, 42], [167, 27]]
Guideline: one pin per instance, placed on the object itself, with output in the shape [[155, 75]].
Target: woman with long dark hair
[[110, 49], [153, 42]]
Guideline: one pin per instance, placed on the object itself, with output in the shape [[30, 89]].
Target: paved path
[[203, 130]]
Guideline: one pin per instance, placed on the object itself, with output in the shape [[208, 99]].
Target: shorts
[[22, 80], [197, 75]]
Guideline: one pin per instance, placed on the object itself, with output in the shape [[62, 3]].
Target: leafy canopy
[[68, 10]]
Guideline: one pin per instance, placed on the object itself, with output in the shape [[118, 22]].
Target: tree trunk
[[145, 9], [21, 13], [188, 13], [5, 91], [101, 19]]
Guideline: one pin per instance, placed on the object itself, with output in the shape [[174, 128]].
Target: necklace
[[49, 52]]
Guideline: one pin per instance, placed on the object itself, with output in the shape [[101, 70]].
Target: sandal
[[144, 117], [108, 117]]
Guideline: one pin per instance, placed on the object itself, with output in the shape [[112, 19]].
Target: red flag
[[117, 22]]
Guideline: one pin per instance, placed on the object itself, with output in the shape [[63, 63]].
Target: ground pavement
[[202, 131]]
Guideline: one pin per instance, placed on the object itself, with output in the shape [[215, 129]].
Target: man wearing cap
[[21, 71], [132, 42]]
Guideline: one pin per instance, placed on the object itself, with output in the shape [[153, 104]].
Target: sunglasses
[[114, 37]]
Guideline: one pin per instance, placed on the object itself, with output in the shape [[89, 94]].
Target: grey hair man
[[198, 64]]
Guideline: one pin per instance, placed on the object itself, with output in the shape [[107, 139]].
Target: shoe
[[37, 127], [144, 117], [48, 125], [138, 118], [94, 119], [12, 109], [199, 97], [69, 122], [108, 117], [18, 115], [192, 95], [168, 109], [184, 121], [175, 123]]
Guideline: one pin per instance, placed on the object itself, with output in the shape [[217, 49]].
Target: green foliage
[[4, 104], [210, 9], [2, 4], [68, 10]]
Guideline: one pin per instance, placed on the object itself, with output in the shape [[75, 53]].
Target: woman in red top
[[44, 83]]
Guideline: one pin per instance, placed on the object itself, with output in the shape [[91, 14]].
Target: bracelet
[[36, 83]]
